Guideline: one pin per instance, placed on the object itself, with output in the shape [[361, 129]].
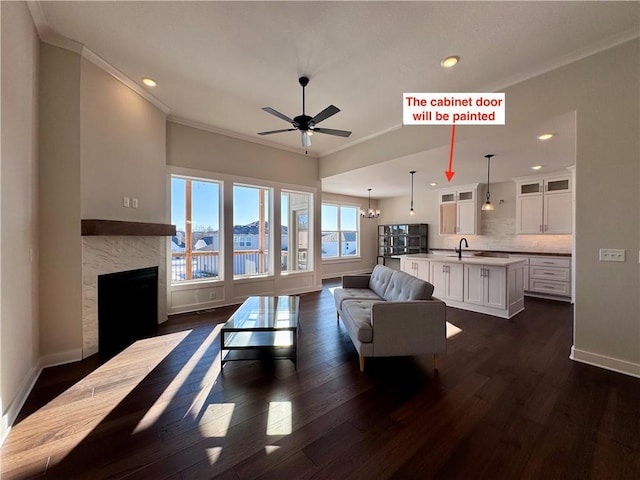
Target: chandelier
[[370, 213]]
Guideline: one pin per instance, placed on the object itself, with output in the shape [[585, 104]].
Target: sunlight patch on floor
[[269, 449], [452, 330], [213, 453], [279, 419], [164, 400], [331, 290], [216, 420], [96, 394]]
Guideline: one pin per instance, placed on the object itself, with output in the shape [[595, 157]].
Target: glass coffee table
[[262, 328]]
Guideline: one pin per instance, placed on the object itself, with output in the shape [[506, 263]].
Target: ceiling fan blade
[[324, 114], [331, 131], [277, 114], [277, 131]]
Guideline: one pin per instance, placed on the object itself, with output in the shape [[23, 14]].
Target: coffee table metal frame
[[263, 327]]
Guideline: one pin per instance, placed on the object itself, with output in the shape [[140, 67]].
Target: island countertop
[[489, 261]]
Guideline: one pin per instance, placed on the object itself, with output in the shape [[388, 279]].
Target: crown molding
[[239, 136], [575, 56], [128, 81], [51, 37]]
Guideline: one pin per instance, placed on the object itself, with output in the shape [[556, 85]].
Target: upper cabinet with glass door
[[544, 204], [459, 210]]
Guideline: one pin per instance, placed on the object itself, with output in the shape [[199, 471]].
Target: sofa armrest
[[409, 327], [356, 281]]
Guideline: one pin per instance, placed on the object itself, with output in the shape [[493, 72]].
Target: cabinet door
[[455, 274], [529, 214], [558, 213], [422, 270], [405, 265], [530, 188], [448, 220], [466, 218], [439, 279], [495, 283], [474, 284], [557, 185]]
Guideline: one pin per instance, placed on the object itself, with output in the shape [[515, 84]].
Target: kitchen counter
[[468, 259], [443, 251]]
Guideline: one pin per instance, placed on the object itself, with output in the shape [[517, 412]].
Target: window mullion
[[188, 234]]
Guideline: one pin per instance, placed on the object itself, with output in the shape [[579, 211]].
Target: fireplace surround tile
[[110, 254]]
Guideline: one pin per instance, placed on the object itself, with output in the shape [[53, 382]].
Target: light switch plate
[[612, 255]]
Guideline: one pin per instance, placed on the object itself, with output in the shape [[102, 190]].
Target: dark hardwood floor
[[507, 403]]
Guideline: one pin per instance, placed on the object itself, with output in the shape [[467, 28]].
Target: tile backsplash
[[498, 234]]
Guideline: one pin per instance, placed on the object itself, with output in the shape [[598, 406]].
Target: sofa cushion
[[403, 287], [357, 317], [342, 294], [380, 278]]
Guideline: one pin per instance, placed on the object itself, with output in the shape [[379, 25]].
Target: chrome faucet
[[459, 249]]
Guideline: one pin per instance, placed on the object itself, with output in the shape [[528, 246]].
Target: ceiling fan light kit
[[304, 123]]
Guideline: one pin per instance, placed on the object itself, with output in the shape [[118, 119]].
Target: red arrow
[[450, 173]]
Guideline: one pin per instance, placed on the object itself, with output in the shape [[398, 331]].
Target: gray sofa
[[391, 313]]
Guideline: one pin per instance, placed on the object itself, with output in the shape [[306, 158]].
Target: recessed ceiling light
[[450, 61], [545, 136], [433, 184], [149, 82], [536, 167]]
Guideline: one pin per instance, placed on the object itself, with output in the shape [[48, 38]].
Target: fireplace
[[127, 308]]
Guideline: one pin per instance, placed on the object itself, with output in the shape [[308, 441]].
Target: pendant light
[[412, 212], [488, 206], [369, 213]]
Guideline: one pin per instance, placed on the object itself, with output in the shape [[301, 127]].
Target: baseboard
[[9, 416], [61, 358], [329, 276], [608, 363], [302, 290]]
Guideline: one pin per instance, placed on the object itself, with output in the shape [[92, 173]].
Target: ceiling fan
[[305, 123]]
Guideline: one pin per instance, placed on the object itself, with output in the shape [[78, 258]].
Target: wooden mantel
[[117, 228]]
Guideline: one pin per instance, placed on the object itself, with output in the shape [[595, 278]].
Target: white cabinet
[[550, 277], [526, 269], [492, 286], [485, 285], [416, 267], [459, 210], [544, 204], [447, 280]]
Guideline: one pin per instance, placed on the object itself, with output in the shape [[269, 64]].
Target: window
[[252, 241], [195, 211], [340, 231], [296, 247]]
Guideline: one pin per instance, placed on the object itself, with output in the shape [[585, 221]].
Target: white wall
[[19, 334], [603, 89], [122, 151], [99, 141], [59, 200]]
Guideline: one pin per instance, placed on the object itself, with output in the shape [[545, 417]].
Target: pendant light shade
[[412, 212], [488, 206], [369, 213]]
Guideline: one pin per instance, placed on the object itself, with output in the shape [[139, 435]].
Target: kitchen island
[[484, 284]]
